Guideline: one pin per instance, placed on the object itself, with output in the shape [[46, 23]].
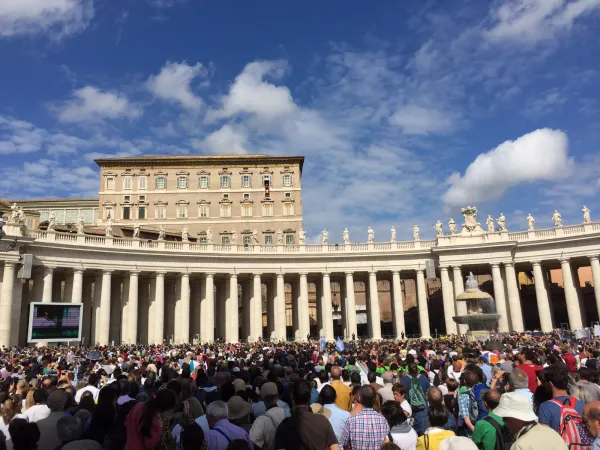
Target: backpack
[[479, 391], [504, 438], [571, 427], [416, 396]]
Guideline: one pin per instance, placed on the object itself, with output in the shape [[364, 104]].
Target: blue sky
[[405, 111]]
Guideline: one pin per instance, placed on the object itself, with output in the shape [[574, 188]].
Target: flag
[[339, 345], [323, 342]]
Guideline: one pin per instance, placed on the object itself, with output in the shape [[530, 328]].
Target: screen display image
[[54, 322]]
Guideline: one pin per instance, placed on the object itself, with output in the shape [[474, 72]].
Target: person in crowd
[[10, 408], [484, 433], [450, 397], [48, 427], [518, 415], [146, 422], [435, 397], [437, 416], [388, 382], [269, 388], [416, 385], [191, 438], [222, 431], [586, 383], [401, 432], [343, 392], [372, 379], [466, 400], [526, 365], [400, 397], [339, 416], [239, 412], [354, 434], [483, 364], [591, 418], [39, 410], [92, 387], [24, 435], [262, 432], [68, 429], [550, 411]]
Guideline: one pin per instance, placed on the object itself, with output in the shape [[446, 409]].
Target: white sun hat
[[516, 406]]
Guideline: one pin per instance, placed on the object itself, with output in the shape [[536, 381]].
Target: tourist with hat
[[517, 413], [239, 412], [262, 433]]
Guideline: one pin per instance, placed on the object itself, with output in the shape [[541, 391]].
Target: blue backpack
[[479, 391]]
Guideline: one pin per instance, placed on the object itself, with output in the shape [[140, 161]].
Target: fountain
[[481, 311]]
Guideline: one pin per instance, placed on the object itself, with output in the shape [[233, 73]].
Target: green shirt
[[484, 434]]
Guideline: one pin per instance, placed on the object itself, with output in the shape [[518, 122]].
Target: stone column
[[104, 319], [86, 323], [132, 316], [125, 310], [514, 300], [256, 317], [459, 288], [184, 311], [95, 333], [326, 308], [159, 308], [541, 296], [48, 277], [6, 303], [595, 263], [280, 325], [422, 304], [207, 309], [375, 314], [116, 301], [575, 322], [398, 304], [319, 303], [17, 304], [303, 311], [448, 301], [232, 326], [296, 327], [350, 307], [499, 298], [69, 280], [77, 292], [245, 308]]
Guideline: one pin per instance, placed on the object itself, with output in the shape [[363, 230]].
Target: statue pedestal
[[478, 336], [15, 229]]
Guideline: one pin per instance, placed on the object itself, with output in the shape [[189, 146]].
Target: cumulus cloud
[[173, 84], [57, 18], [227, 140], [18, 136], [531, 21], [537, 156], [90, 104]]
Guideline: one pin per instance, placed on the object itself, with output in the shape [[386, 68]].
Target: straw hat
[[515, 406], [317, 408], [237, 407]]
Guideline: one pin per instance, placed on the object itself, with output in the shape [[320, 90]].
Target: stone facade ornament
[[324, 237], [490, 224], [14, 211], [108, 228], [586, 214], [52, 221], [161, 233], [394, 239], [470, 225], [136, 230], [557, 218], [185, 234], [255, 235], [439, 228], [234, 237], [370, 235], [452, 226], [501, 222], [530, 222], [209, 236], [279, 237], [20, 216], [416, 233], [346, 236], [302, 236], [80, 225]]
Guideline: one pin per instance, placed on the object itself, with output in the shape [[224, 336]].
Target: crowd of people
[[518, 392]]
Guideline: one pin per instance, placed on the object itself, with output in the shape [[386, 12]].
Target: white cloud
[[545, 103], [252, 94], [18, 136], [165, 3], [541, 155], [173, 84], [415, 119], [57, 18], [532, 21], [227, 140], [90, 104]]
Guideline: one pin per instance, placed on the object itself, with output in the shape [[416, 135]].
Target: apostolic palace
[[200, 248]]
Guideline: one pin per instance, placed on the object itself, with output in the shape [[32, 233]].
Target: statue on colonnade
[[557, 218], [370, 235], [439, 228], [393, 230], [586, 214], [530, 222], [346, 236], [324, 237], [416, 233], [490, 224], [501, 222]]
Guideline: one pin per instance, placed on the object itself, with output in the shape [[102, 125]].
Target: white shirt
[[37, 412], [406, 441], [406, 407], [94, 390]]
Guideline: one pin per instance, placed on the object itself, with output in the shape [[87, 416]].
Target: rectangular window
[[289, 239], [181, 211], [225, 240], [225, 211], [288, 209], [246, 181], [182, 182], [267, 210], [247, 239], [126, 212], [160, 211], [225, 181], [127, 198], [203, 181], [287, 180], [246, 196], [44, 215], [110, 183], [268, 239], [141, 198], [142, 182], [161, 182], [141, 212], [204, 211], [266, 180], [61, 216], [247, 210], [202, 240], [288, 195], [71, 216], [108, 212], [127, 182]]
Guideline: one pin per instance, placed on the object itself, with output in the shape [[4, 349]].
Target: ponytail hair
[[164, 400]]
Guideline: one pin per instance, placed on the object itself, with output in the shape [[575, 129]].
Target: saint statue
[[21, 216], [393, 230], [501, 222], [416, 233], [161, 232], [209, 236], [185, 234], [324, 237], [301, 236], [255, 235], [234, 237], [586, 214], [79, 225], [14, 211], [108, 228], [530, 222], [490, 224], [439, 228], [557, 218], [279, 237], [136, 230], [370, 235], [346, 236], [452, 226], [52, 221]]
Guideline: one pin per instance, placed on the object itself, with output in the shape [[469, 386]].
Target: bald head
[[518, 379], [591, 411], [434, 396], [336, 373], [492, 399], [388, 377]]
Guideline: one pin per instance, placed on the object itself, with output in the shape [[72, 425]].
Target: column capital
[[536, 263], [209, 274], [257, 275], [107, 271], [509, 264], [325, 274], [373, 273], [185, 275], [349, 274], [594, 258], [79, 271], [303, 274], [395, 272], [280, 275], [10, 264], [233, 275], [134, 272], [495, 265], [160, 273], [420, 271], [47, 269], [565, 260], [444, 268]]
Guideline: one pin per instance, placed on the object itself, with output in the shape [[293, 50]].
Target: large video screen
[[54, 322]]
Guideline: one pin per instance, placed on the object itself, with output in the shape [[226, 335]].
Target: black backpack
[[504, 438]]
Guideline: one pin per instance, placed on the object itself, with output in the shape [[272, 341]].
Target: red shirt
[[530, 370], [570, 362]]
